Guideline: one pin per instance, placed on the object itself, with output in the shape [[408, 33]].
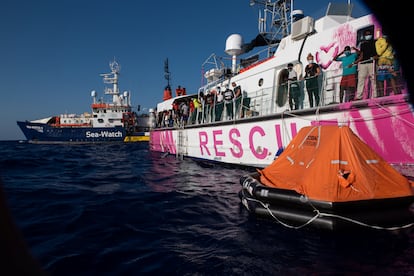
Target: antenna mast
[[112, 78], [273, 23], [167, 74]]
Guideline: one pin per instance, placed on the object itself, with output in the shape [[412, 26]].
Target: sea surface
[[119, 209]]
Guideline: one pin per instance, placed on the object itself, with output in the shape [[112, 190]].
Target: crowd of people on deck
[[208, 106], [369, 71], [373, 65]]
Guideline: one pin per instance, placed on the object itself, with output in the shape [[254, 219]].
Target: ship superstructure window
[[260, 82], [100, 121]]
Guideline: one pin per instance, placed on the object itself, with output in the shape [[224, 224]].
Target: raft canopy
[[331, 163]]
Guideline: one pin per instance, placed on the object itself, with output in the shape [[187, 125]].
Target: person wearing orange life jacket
[[167, 93], [179, 91]]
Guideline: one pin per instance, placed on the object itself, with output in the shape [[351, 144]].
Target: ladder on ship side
[[180, 144]]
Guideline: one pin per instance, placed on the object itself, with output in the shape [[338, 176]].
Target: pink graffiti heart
[[328, 55]]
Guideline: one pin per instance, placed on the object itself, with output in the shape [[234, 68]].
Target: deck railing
[[272, 100]]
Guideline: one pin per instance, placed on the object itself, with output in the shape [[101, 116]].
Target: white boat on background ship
[[263, 123]]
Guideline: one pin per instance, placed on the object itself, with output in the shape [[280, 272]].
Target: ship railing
[[267, 101], [331, 80]]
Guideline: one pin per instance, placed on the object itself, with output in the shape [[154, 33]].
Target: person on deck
[[385, 69], [179, 91], [312, 71], [228, 96], [294, 92], [194, 114], [237, 96], [349, 73], [219, 106], [366, 65], [209, 102], [184, 107], [167, 93]]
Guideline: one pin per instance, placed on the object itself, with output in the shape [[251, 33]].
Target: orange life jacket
[[167, 94]]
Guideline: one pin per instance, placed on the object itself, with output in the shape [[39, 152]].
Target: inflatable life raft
[[295, 210]]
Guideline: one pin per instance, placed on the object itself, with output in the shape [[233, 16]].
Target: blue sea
[[120, 209]]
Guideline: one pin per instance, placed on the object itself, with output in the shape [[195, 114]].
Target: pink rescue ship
[[247, 112]]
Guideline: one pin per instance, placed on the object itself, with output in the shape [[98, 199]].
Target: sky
[[53, 52]]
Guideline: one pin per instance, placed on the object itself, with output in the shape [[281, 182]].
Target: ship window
[[260, 82], [100, 121]]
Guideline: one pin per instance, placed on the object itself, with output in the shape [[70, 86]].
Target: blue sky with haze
[[54, 51]]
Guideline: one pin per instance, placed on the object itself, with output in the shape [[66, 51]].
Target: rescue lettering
[[235, 145]]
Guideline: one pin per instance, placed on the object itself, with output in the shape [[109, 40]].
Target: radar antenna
[[115, 67], [112, 78], [273, 21]]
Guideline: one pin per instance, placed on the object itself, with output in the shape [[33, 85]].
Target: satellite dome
[[297, 15], [234, 45]]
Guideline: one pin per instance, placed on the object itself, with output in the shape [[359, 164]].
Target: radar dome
[[297, 15], [234, 45], [93, 93]]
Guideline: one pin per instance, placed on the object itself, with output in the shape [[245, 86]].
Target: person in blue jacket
[[349, 73]]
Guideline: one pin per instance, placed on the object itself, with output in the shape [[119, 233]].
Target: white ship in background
[[110, 121]]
